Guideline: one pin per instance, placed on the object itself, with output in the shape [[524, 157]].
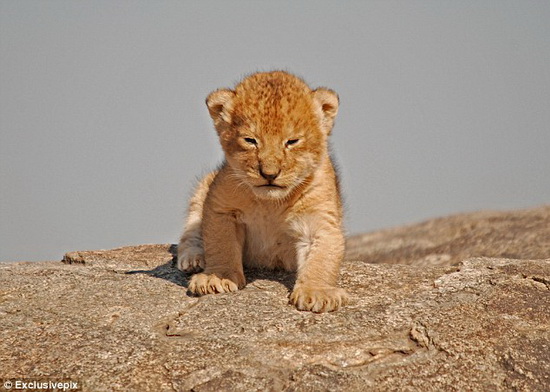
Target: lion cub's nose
[[269, 175]]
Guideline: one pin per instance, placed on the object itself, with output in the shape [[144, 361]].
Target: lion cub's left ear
[[327, 104]]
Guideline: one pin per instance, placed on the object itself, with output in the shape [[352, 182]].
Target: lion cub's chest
[[268, 241]]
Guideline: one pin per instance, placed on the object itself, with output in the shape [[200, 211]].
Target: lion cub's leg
[[223, 244], [190, 247], [320, 250]]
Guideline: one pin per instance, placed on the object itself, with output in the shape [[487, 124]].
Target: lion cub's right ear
[[220, 105], [327, 101]]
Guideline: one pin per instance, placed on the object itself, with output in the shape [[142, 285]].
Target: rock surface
[[447, 241], [475, 316]]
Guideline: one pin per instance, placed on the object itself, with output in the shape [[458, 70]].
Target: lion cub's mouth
[[270, 186]]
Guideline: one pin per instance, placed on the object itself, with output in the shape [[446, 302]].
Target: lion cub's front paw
[[325, 299], [191, 259], [201, 284]]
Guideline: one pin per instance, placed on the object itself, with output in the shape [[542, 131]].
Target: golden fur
[[275, 201]]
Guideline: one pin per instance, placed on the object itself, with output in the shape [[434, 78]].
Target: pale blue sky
[[103, 127]]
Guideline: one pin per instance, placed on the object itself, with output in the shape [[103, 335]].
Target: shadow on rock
[[167, 271], [285, 278]]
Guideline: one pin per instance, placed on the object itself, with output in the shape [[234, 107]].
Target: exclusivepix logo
[[41, 385]]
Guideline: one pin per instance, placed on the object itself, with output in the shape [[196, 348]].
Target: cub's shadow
[[168, 271]]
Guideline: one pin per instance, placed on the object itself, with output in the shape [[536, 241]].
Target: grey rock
[[120, 320]]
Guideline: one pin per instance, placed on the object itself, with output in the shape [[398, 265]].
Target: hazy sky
[[444, 108]]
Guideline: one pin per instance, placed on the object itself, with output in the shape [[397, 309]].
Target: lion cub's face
[[273, 129]]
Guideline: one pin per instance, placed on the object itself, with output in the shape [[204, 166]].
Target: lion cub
[[275, 202]]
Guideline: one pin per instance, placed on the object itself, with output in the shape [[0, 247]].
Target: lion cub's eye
[[290, 142], [250, 140]]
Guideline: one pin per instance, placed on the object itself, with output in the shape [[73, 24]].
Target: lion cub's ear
[[327, 101], [220, 105]]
